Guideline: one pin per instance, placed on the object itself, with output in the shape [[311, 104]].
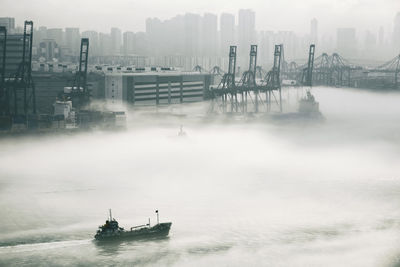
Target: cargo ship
[[111, 231]]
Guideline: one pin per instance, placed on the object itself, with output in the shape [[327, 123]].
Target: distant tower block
[[314, 31]]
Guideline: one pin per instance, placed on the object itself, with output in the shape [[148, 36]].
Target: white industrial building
[[154, 88]]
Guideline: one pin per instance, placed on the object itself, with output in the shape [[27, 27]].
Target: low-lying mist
[[239, 191]]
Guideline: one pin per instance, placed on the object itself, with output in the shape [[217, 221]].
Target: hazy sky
[[270, 14]]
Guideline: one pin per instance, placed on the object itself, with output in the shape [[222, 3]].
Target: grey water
[[239, 193]]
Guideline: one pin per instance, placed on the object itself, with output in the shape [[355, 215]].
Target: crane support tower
[[83, 63], [308, 72], [397, 72], [21, 82], [273, 77], [81, 76], [231, 67], [79, 93], [252, 72], [227, 87], [4, 108], [248, 81]]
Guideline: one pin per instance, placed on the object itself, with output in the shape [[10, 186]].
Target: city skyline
[[379, 34], [210, 35], [283, 15]]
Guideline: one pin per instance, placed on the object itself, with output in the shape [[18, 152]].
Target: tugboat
[[112, 231]]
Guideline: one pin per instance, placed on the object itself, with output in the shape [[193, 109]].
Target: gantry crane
[[21, 82], [248, 81], [227, 86], [273, 78], [79, 93], [4, 98], [307, 72]]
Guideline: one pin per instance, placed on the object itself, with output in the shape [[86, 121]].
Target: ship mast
[[110, 215], [157, 217]]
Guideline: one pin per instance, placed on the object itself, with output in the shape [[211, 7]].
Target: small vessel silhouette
[[112, 231], [182, 132], [308, 110]]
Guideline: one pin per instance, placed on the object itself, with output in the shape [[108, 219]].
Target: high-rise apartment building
[[227, 33], [72, 40], [246, 35], [9, 23], [141, 42], [265, 48], [192, 34], [314, 31], [396, 33], [57, 35], [116, 38], [128, 43], [154, 32], [93, 37], [209, 36], [104, 44]]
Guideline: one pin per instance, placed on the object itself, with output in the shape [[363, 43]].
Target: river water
[[239, 192]]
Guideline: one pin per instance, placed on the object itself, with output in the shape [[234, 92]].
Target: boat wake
[[4, 249]]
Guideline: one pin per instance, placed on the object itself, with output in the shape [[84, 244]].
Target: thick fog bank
[[238, 193]]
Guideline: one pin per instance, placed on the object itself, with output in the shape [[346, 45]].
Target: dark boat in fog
[[308, 110], [112, 231]]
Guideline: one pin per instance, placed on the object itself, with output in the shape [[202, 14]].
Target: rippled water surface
[[239, 191]]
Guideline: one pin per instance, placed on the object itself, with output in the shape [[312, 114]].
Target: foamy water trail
[[43, 246]]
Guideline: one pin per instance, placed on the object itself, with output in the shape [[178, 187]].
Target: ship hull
[[158, 231]]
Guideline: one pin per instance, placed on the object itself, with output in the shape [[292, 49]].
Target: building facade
[[156, 88]]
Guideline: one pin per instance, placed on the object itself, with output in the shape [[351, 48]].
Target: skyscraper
[[141, 42], [314, 31], [227, 32], [209, 34], [246, 34], [166, 37], [396, 33], [116, 38], [175, 38], [104, 44], [153, 32], [128, 43], [192, 34], [265, 51], [93, 42], [72, 40], [9, 23], [56, 34], [39, 35]]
